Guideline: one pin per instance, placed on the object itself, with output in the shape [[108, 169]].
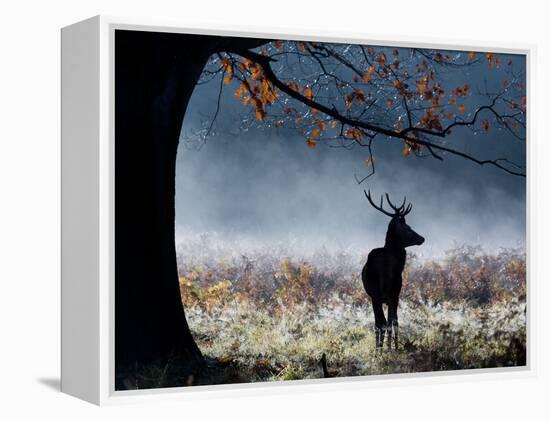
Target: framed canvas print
[[278, 209]]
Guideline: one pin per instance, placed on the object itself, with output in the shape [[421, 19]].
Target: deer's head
[[399, 234]]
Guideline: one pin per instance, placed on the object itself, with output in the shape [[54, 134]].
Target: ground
[[267, 316]]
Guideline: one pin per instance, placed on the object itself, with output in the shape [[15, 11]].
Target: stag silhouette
[[382, 274]]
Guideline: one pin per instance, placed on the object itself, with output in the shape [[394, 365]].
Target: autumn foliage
[[350, 94]]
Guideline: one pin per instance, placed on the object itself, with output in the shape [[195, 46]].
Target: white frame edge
[[80, 120], [99, 386]]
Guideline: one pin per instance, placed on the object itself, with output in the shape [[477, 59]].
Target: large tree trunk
[[154, 79], [155, 74]]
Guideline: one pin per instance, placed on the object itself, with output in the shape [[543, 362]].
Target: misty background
[[263, 187]]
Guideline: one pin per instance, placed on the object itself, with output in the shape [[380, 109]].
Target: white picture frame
[[88, 214]]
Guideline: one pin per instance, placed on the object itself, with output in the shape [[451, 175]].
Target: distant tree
[[341, 94]]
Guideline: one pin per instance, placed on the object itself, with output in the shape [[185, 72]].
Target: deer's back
[[382, 273]]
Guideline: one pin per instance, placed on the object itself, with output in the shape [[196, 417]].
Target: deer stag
[[382, 273]]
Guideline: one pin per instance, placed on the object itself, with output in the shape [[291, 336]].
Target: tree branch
[[265, 63]]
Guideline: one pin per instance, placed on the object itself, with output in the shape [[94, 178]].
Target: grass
[[269, 317]]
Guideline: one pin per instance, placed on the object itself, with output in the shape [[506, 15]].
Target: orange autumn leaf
[[311, 142], [471, 56], [260, 114], [293, 85], [490, 59], [367, 76], [360, 95], [461, 108], [241, 91], [308, 93], [348, 99], [226, 63], [355, 133], [228, 78], [256, 72], [381, 59], [316, 132], [406, 150], [389, 102], [278, 45]]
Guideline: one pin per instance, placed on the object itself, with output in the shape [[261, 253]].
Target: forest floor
[[268, 317]]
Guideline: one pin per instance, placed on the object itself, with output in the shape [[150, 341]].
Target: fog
[[265, 188]]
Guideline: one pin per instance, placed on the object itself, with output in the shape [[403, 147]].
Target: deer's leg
[[393, 325], [379, 322]]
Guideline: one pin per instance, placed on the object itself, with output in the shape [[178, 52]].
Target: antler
[[397, 211], [380, 208]]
